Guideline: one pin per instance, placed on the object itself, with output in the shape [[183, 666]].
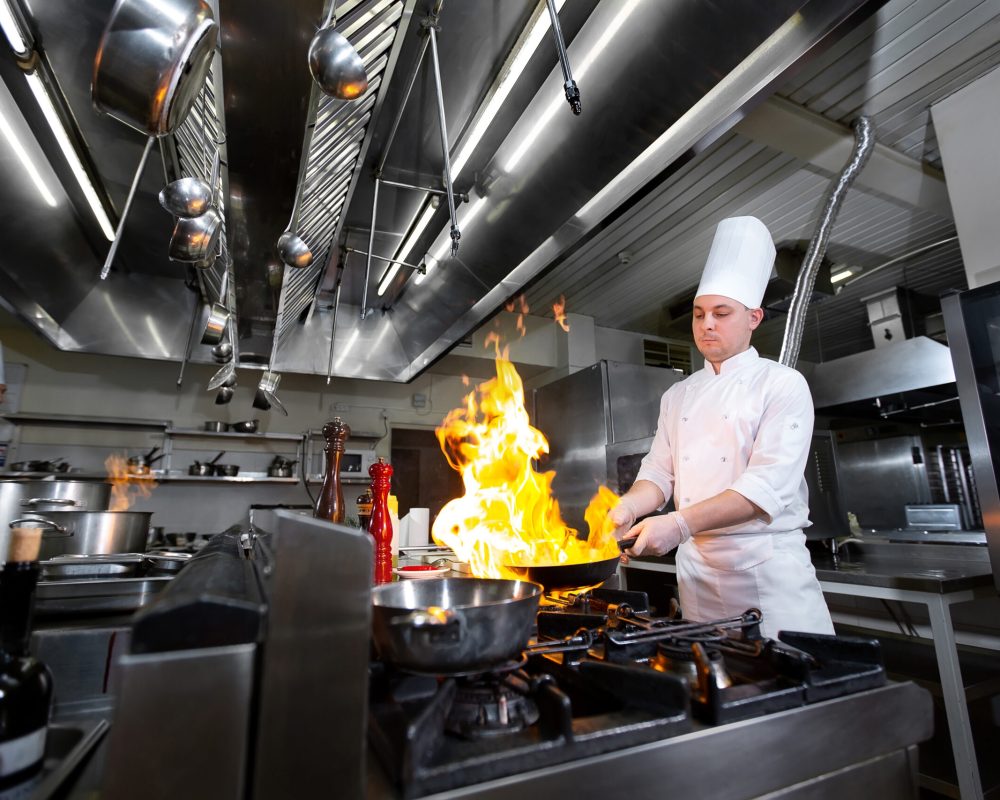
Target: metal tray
[[66, 745], [95, 596]]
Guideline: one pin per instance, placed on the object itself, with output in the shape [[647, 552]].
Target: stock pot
[[19, 498], [92, 532]]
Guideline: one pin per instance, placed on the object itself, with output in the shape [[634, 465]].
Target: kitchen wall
[[106, 386]]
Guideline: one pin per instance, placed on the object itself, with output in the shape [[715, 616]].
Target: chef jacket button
[[725, 416], [687, 458], [723, 458], [684, 419], [687, 499]]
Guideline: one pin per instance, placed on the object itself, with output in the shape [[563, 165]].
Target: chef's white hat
[[740, 261]]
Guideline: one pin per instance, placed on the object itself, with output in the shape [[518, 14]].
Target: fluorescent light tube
[[19, 43], [26, 162], [516, 66], [404, 251], [588, 61], [441, 253], [69, 151], [840, 276]]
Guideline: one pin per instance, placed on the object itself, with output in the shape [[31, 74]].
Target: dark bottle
[[25, 682], [330, 504], [380, 525], [364, 502]]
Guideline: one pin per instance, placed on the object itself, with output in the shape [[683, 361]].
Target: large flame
[[126, 487], [508, 515]]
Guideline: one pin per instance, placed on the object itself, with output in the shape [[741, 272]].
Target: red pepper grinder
[[330, 504], [380, 524]]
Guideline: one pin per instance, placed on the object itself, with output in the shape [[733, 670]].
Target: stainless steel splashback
[[584, 413]]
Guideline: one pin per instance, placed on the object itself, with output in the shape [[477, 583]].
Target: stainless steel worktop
[[825, 750]]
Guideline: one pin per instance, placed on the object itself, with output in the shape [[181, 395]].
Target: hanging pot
[[151, 64]]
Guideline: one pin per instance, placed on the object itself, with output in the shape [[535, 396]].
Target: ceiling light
[[69, 151], [26, 162], [585, 65], [441, 253], [404, 251], [840, 276], [511, 71], [19, 42]]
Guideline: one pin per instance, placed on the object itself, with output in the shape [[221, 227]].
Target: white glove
[[657, 536], [623, 516]]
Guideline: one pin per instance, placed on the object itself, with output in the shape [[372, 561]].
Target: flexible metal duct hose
[[864, 142]]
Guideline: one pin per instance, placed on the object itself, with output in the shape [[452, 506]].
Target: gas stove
[[601, 673]]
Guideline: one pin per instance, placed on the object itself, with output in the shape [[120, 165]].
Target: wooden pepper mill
[[380, 524], [330, 504]]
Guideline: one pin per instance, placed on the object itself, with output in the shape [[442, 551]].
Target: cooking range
[[601, 673]]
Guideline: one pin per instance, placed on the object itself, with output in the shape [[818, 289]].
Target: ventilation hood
[[659, 81]]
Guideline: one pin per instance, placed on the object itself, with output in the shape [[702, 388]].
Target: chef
[[730, 448]]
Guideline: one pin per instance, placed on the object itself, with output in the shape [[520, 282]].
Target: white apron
[[724, 575]]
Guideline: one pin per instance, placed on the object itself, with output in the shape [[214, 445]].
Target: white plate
[[422, 573]]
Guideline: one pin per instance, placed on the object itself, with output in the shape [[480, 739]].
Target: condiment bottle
[[380, 525], [330, 503], [26, 682], [364, 502]]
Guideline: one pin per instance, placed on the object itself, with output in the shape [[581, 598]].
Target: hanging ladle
[[293, 250], [334, 63], [189, 196]]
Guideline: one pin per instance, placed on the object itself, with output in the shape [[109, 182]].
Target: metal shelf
[[72, 420], [194, 433], [360, 480], [222, 479], [361, 435]]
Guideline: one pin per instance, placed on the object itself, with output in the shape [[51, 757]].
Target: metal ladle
[[189, 196], [294, 251], [334, 63]]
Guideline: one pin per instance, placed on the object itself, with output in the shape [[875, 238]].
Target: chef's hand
[[623, 517], [657, 536]]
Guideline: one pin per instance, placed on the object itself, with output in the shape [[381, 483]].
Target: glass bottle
[[330, 503], [380, 525], [25, 682], [364, 502]]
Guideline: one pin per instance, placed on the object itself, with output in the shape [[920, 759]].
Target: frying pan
[[569, 576]]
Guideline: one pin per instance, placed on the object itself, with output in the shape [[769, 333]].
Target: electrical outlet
[[419, 400]]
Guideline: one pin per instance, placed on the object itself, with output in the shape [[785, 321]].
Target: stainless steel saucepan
[[28, 497], [93, 532], [451, 626]]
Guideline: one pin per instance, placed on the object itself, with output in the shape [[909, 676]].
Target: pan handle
[[58, 531], [434, 621], [56, 501]]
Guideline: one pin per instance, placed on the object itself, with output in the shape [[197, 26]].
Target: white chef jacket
[[747, 429]]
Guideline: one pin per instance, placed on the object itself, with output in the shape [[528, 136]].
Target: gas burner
[[492, 706], [694, 663], [482, 672]]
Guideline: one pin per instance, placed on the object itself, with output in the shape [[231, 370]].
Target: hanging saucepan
[[568, 576], [150, 65], [195, 239], [451, 626], [215, 325]]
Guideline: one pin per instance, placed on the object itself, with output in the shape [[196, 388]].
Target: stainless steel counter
[[933, 575], [826, 750]]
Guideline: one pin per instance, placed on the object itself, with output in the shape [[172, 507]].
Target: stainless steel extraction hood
[[659, 82]]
